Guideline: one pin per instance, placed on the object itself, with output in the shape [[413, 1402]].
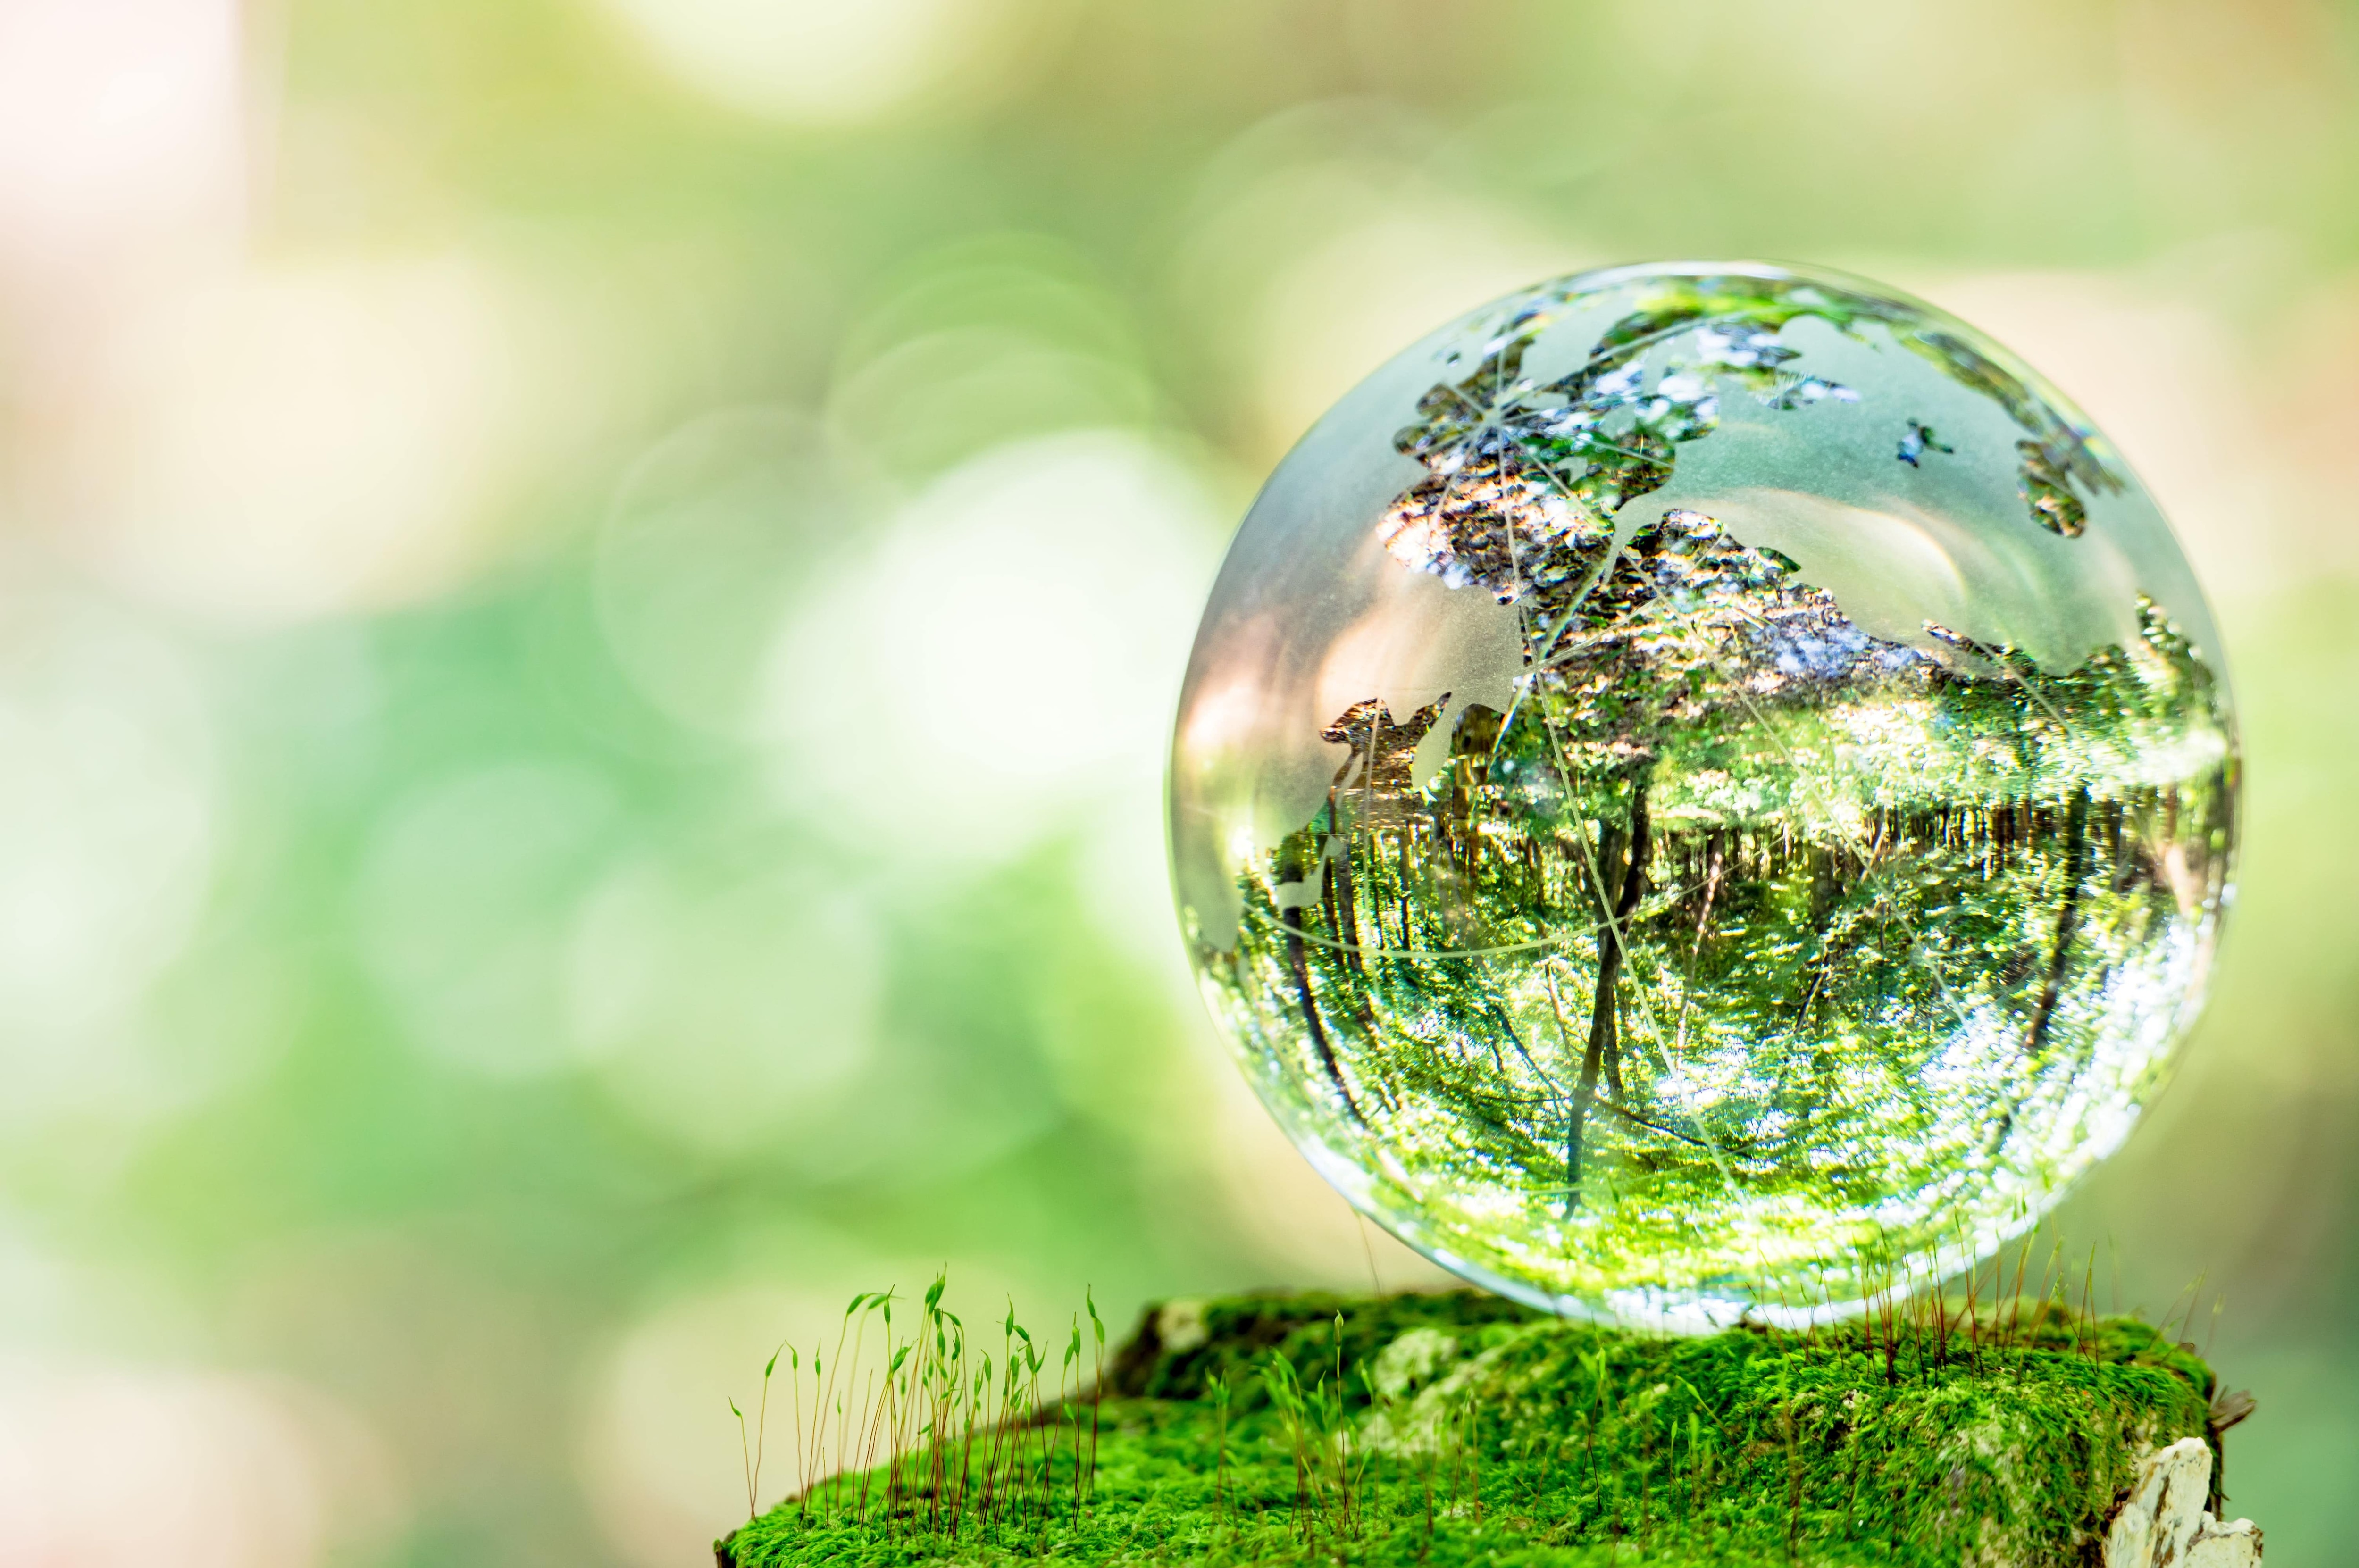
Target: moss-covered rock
[[1461, 1428]]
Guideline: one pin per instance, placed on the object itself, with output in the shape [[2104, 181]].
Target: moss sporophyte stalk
[[1463, 1428]]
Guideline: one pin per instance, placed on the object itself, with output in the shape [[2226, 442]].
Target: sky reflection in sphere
[[1702, 785]]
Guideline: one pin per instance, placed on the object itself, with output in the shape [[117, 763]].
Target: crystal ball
[[1704, 788]]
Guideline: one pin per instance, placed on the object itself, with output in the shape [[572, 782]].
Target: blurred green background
[[591, 591]]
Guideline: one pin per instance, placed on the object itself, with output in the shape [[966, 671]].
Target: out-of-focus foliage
[[593, 591]]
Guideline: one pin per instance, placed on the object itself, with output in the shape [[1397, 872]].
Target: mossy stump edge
[[1458, 1428]]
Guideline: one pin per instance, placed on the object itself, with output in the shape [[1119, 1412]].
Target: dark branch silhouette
[[1293, 920], [1604, 1046], [2068, 915]]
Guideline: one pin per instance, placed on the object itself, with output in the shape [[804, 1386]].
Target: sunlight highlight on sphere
[[1703, 787]]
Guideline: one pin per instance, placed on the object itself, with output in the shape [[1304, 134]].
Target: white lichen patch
[[1425, 1423], [1180, 1325], [1412, 1361], [2163, 1522]]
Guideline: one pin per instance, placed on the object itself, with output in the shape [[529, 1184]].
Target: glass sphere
[[1704, 787]]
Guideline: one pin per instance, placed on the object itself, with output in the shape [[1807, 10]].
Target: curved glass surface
[[1703, 785]]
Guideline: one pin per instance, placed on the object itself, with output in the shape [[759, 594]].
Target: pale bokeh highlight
[[997, 659], [122, 1468], [812, 62]]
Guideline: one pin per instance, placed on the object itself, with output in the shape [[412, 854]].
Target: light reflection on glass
[[1746, 942]]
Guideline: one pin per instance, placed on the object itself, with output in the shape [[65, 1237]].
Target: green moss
[[1456, 1429]]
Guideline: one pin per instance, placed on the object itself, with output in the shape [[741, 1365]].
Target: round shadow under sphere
[[1704, 787]]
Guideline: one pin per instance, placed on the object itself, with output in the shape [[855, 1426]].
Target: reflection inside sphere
[[1701, 787]]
